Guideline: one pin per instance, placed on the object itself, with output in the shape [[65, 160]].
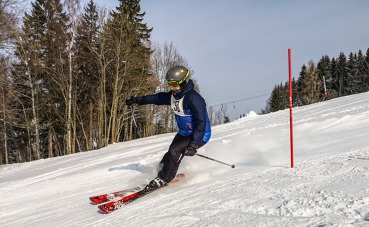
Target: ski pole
[[133, 116], [203, 156]]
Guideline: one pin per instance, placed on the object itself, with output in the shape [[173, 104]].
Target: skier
[[192, 120]]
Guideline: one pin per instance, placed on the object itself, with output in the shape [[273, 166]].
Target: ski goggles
[[174, 84]]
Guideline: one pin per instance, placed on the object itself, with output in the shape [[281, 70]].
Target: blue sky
[[238, 49]]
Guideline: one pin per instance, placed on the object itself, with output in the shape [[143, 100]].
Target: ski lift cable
[[240, 100]]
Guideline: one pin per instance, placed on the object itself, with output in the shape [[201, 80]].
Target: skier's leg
[[173, 157], [163, 161]]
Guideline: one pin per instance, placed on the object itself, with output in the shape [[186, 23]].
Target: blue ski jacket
[[190, 111]]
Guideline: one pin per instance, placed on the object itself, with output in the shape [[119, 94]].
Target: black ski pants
[[172, 159]]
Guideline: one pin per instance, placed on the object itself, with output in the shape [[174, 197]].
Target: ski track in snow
[[329, 185]]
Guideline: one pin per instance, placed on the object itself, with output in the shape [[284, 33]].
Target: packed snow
[[329, 185]]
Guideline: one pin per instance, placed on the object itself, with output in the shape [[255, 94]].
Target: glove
[[191, 150], [132, 100]]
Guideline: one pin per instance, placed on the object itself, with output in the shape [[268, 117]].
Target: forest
[[328, 79], [66, 71]]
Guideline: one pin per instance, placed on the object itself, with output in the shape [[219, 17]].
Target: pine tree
[[129, 70], [324, 75], [278, 99], [295, 96], [309, 84], [87, 76], [341, 74], [366, 71], [29, 78], [361, 67], [334, 84], [353, 80], [300, 86], [41, 76]]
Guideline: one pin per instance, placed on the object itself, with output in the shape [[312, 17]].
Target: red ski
[[111, 196], [114, 205]]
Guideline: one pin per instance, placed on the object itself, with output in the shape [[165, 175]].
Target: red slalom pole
[[291, 118]]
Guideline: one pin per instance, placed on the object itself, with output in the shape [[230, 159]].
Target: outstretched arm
[[162, 98]]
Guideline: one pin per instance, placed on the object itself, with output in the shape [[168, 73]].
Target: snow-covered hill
[[329, 185]]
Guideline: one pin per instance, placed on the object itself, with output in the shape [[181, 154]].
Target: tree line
[[328, 79], [65, 72]]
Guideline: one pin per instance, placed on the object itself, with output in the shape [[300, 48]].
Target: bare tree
[[4, 96], [101, 53], [72, 7], [119, 46], [224, 109], [87, 76], [218, 119], [8, 22], [8, 30], [163, 58], [211, 112]]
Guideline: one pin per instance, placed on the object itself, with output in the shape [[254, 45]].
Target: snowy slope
[[329, 185]]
